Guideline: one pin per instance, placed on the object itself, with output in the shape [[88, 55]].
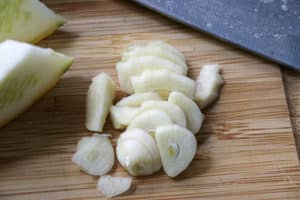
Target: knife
[[270, 28]]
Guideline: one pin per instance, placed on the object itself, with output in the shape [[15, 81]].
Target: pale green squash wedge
[[26, 73], [27, 20]]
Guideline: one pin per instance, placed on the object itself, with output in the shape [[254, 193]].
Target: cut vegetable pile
[[161, 116]]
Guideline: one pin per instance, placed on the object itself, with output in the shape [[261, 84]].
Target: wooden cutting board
[[246, 148]]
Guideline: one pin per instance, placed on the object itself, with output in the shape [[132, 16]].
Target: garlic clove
[[177, 147]]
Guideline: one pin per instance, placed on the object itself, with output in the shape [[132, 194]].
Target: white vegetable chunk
[[208, 85], [94, 155], [137, 65], [177, 147], [155, 48], [174, 111], [135, 157], [163, 82], [136, 100], [100, 96], [146, 140], [112, 186], [148, 120], [167, 47], [191, 110], [121, 116]]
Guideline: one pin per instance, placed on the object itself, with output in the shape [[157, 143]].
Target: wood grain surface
[[246, 148], [292, 89]]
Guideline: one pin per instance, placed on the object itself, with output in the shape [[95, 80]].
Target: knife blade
[[270, 28]]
